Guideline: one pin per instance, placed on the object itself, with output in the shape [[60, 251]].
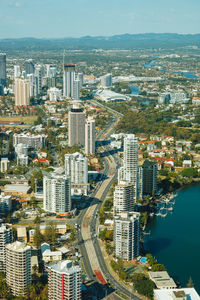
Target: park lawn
[[131, 268], [26, 119]]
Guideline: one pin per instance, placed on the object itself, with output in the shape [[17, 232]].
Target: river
[[175, 239], [189, 75]]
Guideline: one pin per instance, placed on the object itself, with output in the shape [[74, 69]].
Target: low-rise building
[[162, 280], [21, 234], [48, 255], [176, 294], [17, 190]]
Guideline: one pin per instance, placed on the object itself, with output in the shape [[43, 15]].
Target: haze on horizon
[[66, 18]]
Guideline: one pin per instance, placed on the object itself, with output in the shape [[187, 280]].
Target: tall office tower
[[150, 172], [76, 89], [90, 136], [80, 77], [76, 168], [3, 69], [18, 267], [64, 281], [22, 91], [38, 74], [57, 193], [29, 67], [130, 161], [5, 238], [68, 80], [127, 235], [124, 197], [106, 80], [76, 126], [17, 71]]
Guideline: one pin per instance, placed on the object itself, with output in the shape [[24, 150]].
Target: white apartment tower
[[76, 168], [22, 92], [127, 235], [76, 126], [5, 238], [80, 77], [106, 80], [17, 71], [18, 267], [90, 136], [57, 193], [76, 89], [124, 197], [130, 161], [64, 281], [68, 80]]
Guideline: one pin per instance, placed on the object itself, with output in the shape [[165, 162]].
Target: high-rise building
[[76, 168], [127, 235], [5, 238], [64, 281], [54, 94], [22, 92], [106, 80], [76, 89], [30, 140], [150, 171], [80, 77], [68, 80], [57, 193], [140, 183], [76, 126], [130, 161], [124, 197], [17, 71], [3, 69], [18, 267], [29, 67], [39, 71], [90, 136]]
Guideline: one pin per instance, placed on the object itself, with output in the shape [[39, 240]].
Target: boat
[[170, 208], [147, 233]]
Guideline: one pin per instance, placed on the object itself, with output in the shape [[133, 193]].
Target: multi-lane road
[[89, 246]]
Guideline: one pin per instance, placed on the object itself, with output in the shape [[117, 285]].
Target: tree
[[158, 267], [37, 220], [190, 283], [50, 234], [145, 287], [38, 237]]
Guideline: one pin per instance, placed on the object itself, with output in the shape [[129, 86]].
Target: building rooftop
[[18, 246], [162, 279], [18, 188], [21, 232], [65, 267], [171, 294]]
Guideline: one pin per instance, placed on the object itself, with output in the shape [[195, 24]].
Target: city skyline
[[20, 18]]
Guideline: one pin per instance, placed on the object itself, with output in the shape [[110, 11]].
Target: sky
[[76, 18]]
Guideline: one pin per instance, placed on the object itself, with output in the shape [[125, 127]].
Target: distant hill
[[123, 41]]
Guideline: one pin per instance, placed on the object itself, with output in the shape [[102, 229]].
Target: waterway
[[189, 75], [175, 239], [135, 91]]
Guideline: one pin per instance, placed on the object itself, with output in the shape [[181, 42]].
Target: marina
[[174, 232]]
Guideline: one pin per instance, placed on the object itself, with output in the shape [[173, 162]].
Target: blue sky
[[75, 18]]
